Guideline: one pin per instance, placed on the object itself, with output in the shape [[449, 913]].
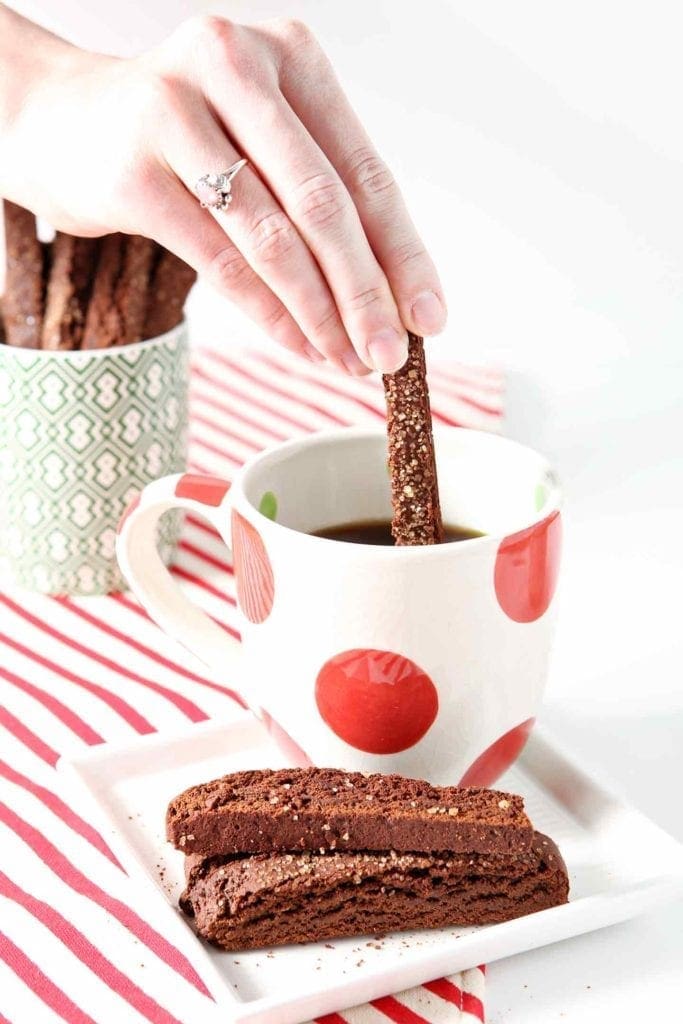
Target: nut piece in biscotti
[[326, 808], [412, 464], [116, 312], [169, 287], [274, 899], [68, 290], [24, 278]]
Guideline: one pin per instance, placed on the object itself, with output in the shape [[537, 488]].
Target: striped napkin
[[76, 945]]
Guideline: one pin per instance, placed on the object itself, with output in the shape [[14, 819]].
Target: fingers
[[179, 224], [331, 121], [409, 269], [264, 235], [311, 193]]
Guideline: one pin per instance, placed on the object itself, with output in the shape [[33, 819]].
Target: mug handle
[[150, 580], [162, 598]]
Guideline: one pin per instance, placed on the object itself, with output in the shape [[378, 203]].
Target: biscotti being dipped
[[412, 463], [309, 854]]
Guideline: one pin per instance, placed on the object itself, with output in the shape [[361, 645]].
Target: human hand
[[317, 246]]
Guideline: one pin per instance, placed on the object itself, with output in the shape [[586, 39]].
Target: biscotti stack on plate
[[309, 854], [87, 293]]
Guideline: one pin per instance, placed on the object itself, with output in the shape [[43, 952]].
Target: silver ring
[[214, 191]]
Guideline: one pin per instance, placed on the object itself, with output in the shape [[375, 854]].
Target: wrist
[[40, 74], [27, 53]]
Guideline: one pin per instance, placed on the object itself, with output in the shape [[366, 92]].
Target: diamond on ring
[[214, 191]]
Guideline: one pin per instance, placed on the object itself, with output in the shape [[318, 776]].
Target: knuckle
[[407, 253], [328, 324], [276, 319], [369, 174], [273, 237], [368, 297], [321, 200], [230, 270], [219, 44], [294, 33], [210, 30]]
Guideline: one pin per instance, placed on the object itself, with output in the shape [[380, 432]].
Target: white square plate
[[619, 862]]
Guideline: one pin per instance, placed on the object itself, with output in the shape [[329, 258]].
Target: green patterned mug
[[80, 434]]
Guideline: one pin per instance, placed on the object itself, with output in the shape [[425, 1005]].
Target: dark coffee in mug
[[378, 531]]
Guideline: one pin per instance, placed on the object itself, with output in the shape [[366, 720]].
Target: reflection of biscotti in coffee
[[68, 290], [170, 284], [274, 899], [117, 306], [24, 279], [313, 808], [412, 464]]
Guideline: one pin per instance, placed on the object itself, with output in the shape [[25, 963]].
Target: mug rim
[[96, 353], [553, 505]]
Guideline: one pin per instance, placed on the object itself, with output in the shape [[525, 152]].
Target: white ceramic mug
[[429, 661]]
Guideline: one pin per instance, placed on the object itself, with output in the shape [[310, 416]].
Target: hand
[[317, 246]]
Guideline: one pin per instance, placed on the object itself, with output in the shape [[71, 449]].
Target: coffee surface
[[378, 531]]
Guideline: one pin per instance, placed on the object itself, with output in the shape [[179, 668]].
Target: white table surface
[[541, 147]]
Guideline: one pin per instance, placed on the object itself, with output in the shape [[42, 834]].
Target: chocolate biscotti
[[169, 286], [133, 287], [275, 899], [412, 464], [328, 809], [116, 312], [68, 290], [24, 284], [76, 293]]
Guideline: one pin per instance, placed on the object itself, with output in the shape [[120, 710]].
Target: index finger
[[324, 109]]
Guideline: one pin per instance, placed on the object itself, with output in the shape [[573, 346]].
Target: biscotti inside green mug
[[81, 433]]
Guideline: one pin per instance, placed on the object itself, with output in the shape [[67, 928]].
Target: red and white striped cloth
[[76, 945]]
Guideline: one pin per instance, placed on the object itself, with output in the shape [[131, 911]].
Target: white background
[[541, 148]]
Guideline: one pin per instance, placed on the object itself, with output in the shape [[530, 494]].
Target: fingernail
[[388, 350], [313, 354], [428, 313], [354, 366]]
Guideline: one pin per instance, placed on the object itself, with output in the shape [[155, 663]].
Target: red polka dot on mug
[[526, 569], [376, 701], [498, 757]]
